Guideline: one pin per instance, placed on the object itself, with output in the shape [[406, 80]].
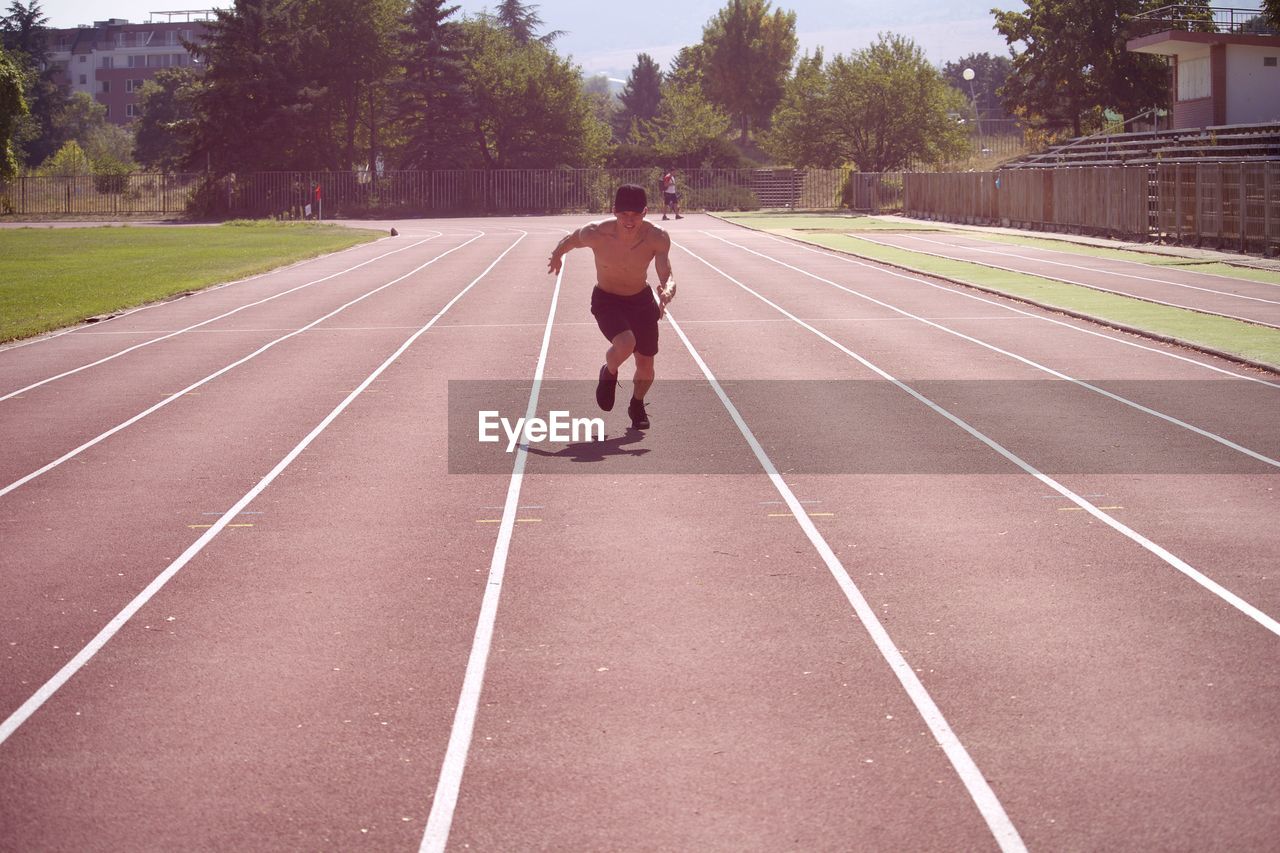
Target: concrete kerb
[[1079, 315]]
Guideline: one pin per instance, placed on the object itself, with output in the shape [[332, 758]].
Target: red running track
[[898, 566]]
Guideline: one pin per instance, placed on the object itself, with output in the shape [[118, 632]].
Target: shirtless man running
[[622, 302]]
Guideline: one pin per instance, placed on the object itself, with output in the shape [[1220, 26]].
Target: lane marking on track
[[1180, 267], [1164, 554], [225, 314], [435, 836], [186, 391], [1097, 287], [1088, 269], [1078, 509], [29, 707], [960, 291], [1057, 374], [980, 791]]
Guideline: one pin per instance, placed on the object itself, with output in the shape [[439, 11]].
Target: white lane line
[[986, 238], [42, 695], [169, 399], [983, 797], [1057, 374], [436, 835], [237, 310], [1032, 258], [1078, 283], [958, 291], [1176, 562]]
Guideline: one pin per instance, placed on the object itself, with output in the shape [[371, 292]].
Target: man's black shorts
[[616, 314]]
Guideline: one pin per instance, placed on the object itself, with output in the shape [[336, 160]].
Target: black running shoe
[[606, 388], [639, 419]]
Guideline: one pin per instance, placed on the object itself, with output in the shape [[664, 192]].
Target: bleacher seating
[[1225, 143]]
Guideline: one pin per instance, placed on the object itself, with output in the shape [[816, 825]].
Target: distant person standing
[[670, 197]]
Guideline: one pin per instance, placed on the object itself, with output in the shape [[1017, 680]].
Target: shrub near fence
[[98, 195]]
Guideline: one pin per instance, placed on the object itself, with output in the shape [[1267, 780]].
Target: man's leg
[[644, 376], [643, 380], [620, 349]]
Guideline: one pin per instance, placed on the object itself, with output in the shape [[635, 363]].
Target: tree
[[261, 104], [688, 127], [24, 34], [163, 132], [1073, 63], [640, 97], [522, 22], [528, 109], [747, 54], [432, 112], [801, 133], [12, 107], [1271, 13], [879, 108], [989, 74]]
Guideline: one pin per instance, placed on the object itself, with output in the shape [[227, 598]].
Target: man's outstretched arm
[[574, 240], [666, 284]]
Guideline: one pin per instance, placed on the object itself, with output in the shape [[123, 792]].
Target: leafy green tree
[[431, 106], [163, 132], [1073, 64], [12, 107], [528, 107], [355, 64], [688, 127], [887, 106], [1271, 13], [68, 161], [747, 55], [641, 96], [801, 132], [24, 34], [989, 74]]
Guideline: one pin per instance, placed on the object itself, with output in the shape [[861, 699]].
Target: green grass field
[[1256, 343], [54, 277]]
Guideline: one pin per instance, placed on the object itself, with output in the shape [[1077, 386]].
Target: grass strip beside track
[[1245, 340], [55, 277], [1149, 258], [822, 222]]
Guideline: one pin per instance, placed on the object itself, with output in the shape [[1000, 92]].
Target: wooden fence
[[1225, 205]]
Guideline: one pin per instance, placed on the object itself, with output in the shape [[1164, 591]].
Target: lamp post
[[977, 114]]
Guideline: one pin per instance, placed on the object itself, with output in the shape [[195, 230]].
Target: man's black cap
[[630, 197]]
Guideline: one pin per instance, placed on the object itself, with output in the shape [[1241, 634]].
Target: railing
[[1212, 19], [435, 193], [1226, 205]]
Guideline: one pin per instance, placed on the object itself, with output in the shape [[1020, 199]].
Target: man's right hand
[[553, 265]]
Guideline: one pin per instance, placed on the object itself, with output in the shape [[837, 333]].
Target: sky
[[604, 37]]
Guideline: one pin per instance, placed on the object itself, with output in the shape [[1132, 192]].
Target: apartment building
[[111, 59]]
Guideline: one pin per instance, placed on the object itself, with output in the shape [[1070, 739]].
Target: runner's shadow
[[596, 451]]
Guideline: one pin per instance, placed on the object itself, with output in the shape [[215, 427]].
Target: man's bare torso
[[623, 256]]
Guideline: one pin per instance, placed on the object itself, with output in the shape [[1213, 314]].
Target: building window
[[130, 111], [82, 57], [1269, 62], [136, 61], [1193, 79], [84, 79], [106, 86], [108, 62], [133, 85]]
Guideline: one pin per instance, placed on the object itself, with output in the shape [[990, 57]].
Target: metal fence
[[435, 193], [1224, 205]]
